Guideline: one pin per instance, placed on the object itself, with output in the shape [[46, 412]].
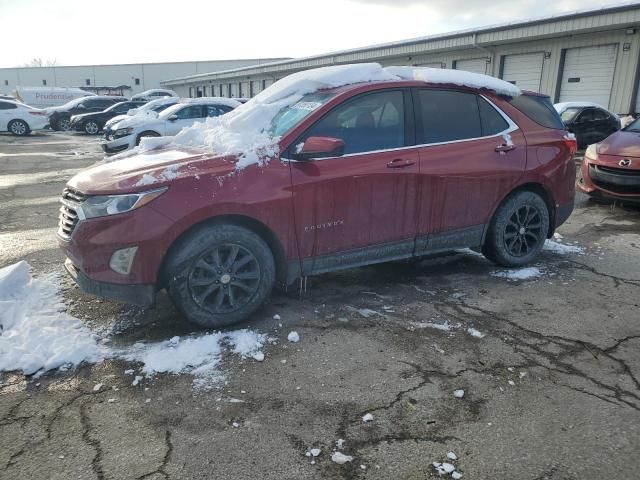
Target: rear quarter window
[[539, 109]]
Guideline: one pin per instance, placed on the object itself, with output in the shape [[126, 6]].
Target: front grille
[[619, 171], [68, 218], [73, 195], [617, 180]]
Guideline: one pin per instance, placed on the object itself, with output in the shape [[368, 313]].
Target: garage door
[[477, 65], [588, 74], [524, 70]]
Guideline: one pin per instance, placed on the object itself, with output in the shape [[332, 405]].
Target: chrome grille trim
[[70, 212]]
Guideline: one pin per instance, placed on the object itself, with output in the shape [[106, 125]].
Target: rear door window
[[367, 123], [447, 115], [7, 105], [491, 121], [539, 109]]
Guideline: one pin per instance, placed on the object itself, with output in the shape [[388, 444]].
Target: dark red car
[[373, 172], [611, 168]]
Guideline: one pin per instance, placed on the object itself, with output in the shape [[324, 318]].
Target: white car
[[21, 119], [127, 133], [153, 94], [153, 107]]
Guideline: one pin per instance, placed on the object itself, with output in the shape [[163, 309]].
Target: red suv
[[362, 174]]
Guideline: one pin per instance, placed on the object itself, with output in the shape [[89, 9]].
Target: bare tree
[[39, 62]]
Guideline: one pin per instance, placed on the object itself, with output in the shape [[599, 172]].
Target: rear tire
[[219, 275], [91, 128], [18, 128], [518, 230]]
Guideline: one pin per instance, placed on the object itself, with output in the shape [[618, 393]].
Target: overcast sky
[[77, 32]]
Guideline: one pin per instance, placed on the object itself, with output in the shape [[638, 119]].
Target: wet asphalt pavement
[[552, 387]]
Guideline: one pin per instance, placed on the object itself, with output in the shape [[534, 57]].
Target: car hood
[[147, 118], [621, 143], [86, 116], [149, 170]]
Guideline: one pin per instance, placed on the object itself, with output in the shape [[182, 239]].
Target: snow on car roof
[[244, 131], [230, 102]]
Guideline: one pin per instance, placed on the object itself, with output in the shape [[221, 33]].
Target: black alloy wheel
[[224, 279]]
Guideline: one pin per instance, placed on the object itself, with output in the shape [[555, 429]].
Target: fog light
[[121, 260]]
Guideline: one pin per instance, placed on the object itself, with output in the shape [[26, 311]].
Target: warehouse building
[[138, 76], [590, 55]]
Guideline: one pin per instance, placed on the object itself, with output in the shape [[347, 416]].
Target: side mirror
[[319, 147], [173, 118]]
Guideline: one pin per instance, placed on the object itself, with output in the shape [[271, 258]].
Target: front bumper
[[602, 181], [141, 295], [115, 145]]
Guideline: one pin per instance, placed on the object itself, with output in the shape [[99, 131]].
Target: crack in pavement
[[161, 470], [96, 462]]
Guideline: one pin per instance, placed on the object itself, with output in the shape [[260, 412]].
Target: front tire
[[518, 230], [91, 128], [219, 275], [18, 128], [146, 134]]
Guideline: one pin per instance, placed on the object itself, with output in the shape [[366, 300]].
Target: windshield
[[633, 126], [160, 108], [74, 102], [289, 117], [569, 114]]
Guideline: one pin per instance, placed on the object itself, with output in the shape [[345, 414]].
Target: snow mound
[[293, 337], [518, 274], [340, 458], [35, 333], [561, 248]]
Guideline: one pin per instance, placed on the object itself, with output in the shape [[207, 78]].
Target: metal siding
[[594, 67], [524, 70]]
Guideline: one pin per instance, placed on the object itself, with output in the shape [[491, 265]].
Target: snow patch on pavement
[[561, 248], [36, 336], [527, 273]]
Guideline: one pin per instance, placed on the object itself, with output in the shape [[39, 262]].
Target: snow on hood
[[137, 119], [243, 132]]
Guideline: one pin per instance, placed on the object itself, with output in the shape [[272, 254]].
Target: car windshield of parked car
[[289, 117], [569, 114], [633, 126]]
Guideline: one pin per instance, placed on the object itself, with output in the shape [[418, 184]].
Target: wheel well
[[545, 195], [257, 227], [142, 134]]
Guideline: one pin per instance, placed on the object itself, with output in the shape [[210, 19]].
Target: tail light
[[38, 113], [570, 141]]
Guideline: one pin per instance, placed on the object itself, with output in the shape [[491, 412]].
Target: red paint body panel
[[319, 207]]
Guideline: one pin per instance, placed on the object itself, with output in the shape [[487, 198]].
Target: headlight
[[591, 151], [123, 132], [103, 205]]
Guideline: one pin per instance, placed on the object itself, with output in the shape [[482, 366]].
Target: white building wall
[[150, 75]]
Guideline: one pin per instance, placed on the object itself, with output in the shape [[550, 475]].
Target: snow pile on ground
[[518, 274], [340, 458], [561, 248], [447, 468], [447, 327], [35, 333], [244, 132], [36, 336]]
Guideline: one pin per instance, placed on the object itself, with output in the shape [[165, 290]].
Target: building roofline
[[440, 36], [269, 59]]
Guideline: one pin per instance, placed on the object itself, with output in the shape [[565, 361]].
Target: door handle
[[400, 163], [505, 148]]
